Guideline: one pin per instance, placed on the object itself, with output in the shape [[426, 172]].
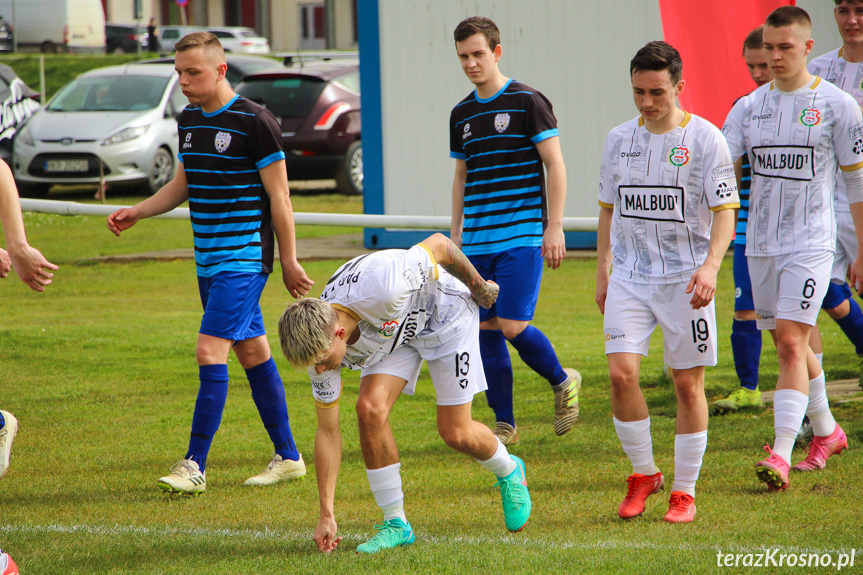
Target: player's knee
[[623, 380], [744, 315], [371, 413], [689, 391], [512, 329], [455, 438], [840, 310], [789, 349]]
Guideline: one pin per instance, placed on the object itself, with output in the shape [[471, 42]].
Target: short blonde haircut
[[204, 40], [306, 331]]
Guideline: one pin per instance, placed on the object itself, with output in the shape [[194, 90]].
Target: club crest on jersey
[[810, 117], [389, 328], [223, 140], [501, 123], [679, 156]]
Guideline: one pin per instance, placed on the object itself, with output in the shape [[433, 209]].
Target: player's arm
[[30, 265], [328, 458], [275, 179], [854, 186], [738, 175], [603, 254], [171, 196], [453, 260], [458, 183], [702, 284], [553, 240]]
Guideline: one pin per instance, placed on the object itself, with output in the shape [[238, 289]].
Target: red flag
[[709, 35]]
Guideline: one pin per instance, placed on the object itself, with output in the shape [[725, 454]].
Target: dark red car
[[318, 108]]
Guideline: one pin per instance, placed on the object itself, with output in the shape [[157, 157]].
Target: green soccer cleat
[[515, 497], [393, 533], [739, 399]]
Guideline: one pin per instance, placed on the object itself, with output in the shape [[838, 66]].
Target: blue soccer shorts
[[742, 284], [518, 272], [232, 308]]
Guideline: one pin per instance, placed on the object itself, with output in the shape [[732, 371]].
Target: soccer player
[[667, 195], [842, 68], [797, 130], [32, 268], [384, 313], [232, 171], [506, 217]]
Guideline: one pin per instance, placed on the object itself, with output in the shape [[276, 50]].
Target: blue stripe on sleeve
[[263, 163], [545, 135]]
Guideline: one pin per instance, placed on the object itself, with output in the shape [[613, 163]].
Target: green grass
[[101, 373]]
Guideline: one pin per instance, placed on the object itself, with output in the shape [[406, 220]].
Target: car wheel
[[161, 171], [349, 179], [48, 48], [118, 50], [35, 191]]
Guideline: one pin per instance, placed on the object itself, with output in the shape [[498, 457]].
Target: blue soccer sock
[[269, 395], [2, 420], [852, 325], [536, 351], [208, 411], [746, 347], [498, 374]]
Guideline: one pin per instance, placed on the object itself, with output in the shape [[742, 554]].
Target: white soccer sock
[[386, 484], [688, 454], [820, 358], [789, 407], [501, 464], [818, 411], [637, 444]]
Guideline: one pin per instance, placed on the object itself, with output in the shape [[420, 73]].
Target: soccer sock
[[498, 373], [501, 464], [820, 358], [269, 396], [818, 410], [637, 444], [536, 351], [688, 454], [746, 348], [852, 325], [2, 420], [386, 485], [208, 411], [789, 407]]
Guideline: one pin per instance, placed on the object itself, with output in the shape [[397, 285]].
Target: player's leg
[[839, 303], [519, 273], [745, 342], [8, 430]]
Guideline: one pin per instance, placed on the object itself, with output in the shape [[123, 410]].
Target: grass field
[[100, 371]]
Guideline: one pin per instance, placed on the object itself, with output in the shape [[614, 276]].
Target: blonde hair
[[306, 331], [204, 40]]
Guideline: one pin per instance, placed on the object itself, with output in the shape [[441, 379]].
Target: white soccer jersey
[[848, 76], [397, 297], [663, 188], [795, 142]]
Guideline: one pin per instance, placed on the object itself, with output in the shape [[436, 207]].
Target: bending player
[[384, 313]]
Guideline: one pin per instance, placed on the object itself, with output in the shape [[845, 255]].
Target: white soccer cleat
[[279, 470], [7, 436], [186, 477]]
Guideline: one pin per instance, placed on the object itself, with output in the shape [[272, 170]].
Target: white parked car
[[241, 40], [116, 123]]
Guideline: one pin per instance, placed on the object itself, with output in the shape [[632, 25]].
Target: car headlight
[[125, 135], [24, 137]]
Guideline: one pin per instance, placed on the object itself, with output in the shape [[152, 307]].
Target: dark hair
[[852, 2], [657, 56], [478, 25], [755, 39], [788, 15]]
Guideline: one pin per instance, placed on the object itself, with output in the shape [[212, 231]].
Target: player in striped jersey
[[667, 194], [797, 130], [232, 172], [506, 219]]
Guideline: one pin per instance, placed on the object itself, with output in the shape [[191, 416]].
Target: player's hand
[[702, 286], [295, 278], [325, 535], [553, 246], [5, 263], [33, 269], [601, 292], [122, 220], [855, 275], [489, 294]]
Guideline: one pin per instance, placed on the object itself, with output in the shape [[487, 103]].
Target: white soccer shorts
[[632, 312], [846, 247]]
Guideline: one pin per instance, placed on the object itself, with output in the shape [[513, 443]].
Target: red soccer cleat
[[640, 488], [681, 508], [821, 449], [773, 471]]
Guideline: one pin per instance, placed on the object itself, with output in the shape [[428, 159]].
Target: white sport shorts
[[455, 367], [632, 312], [789, 286], [846, 247]]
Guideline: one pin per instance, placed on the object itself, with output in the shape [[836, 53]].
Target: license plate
[[54, 166]]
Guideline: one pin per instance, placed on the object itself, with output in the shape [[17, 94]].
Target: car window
[[286, 97], [110, 94], [171, 35], [248, 34], [219, 34], [350, 81], [178, 100]]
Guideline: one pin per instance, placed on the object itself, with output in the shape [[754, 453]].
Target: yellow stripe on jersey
[[687, 116], [350, 312], [332, 404], [851, 168], [604, 205], [434, 261], [735, 205], [815, 83]]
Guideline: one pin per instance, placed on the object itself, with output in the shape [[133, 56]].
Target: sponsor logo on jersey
[[786, 162], [411, 278], [858, 146], [467, 133], [737, 293], [630, 154], [613, 333], [462, 383], [724, 191], [501, 122], [763, 314], [679, 156], [723, 172], [388, 328], [702, 347], [223, 140], [410, 329], [855, 132], [810, 117], [188, 144], [657, 203], [804, 305], [761, 117], [321, 386]]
